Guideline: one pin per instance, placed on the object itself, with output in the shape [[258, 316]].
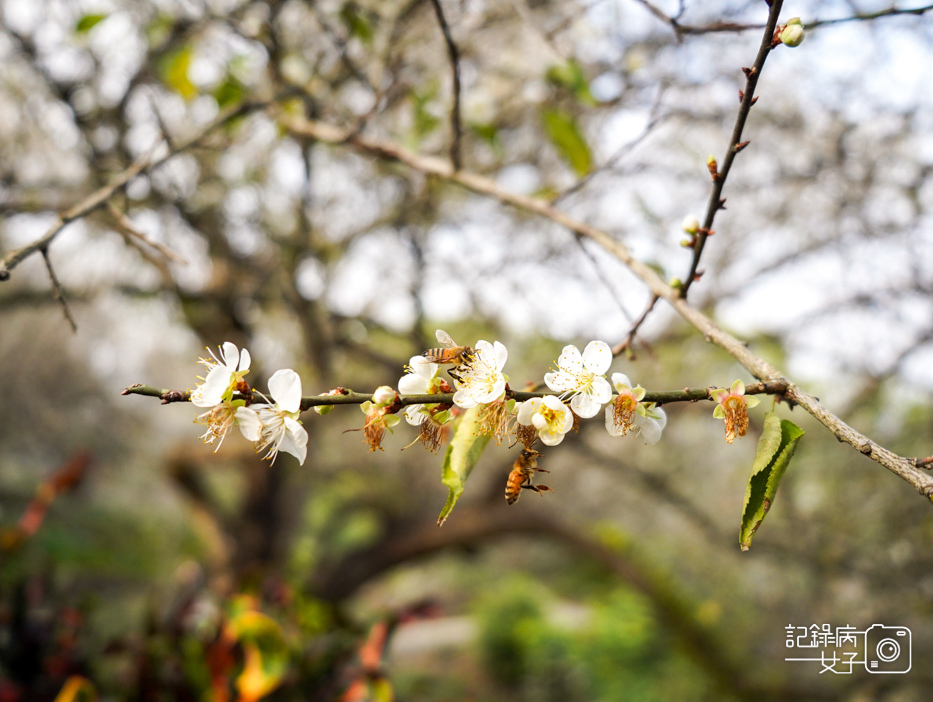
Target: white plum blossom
[[581, 377], [628, 412], [420, 379], [222, 376], [482, 381], [551, 417], [277, 427]]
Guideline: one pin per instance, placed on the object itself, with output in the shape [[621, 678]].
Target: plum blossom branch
[[351, 397], [759, 368]]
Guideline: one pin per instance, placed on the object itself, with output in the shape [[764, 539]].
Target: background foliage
[[136, 563]]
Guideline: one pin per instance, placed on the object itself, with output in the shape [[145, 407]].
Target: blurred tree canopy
[[327, 183]]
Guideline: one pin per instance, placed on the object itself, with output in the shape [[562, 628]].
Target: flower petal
[[597, 357], [585, 406], [211, 392], [295, 440], [612, 427], [752, 401], [463, 399], [285, 387], [570, 360], [601, 390], [620, 381], [248, 421], [560, 381], [738, 388], [549, 439], [422, 367], [527, 409], [502, 355], [648, 429], [244, 360], [231, 356], [414, 384]]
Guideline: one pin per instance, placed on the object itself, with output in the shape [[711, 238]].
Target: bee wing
[[444, 338]]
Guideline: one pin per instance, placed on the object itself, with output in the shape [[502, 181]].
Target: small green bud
[[792, 34], [691, 224], [676, 283], [323, 409]]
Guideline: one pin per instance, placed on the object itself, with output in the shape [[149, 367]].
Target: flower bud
[[691, 224], [792, 34], [384, 396], [676, 283], [323, 409]]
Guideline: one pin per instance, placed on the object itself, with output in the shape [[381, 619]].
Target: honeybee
[[523, 471], [461, 356]]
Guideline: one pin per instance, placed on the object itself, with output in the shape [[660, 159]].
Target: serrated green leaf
[[88, 22], [565, 135], [173, 69], [463, 454], [775, 448], [570, 75]]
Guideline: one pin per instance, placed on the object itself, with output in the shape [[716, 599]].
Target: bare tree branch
[[454, 55]]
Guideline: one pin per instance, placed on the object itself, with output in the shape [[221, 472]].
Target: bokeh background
[[138, 564]]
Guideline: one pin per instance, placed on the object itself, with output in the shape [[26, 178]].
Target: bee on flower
[[580, 377], [482, 381], [629, 413], [731, 407]]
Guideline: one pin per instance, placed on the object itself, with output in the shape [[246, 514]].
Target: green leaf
[[425, 120], [570, 75], [173, 69], [775, 449], [229, 91], [88, 22], [356, 23], [462, 456], [564, 133]]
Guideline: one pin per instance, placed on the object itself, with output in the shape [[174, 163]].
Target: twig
[[127, 226], [59, 290], [722, 27], [758, 367], [630, 339], [454, 55], [350, 397], [716, 202]]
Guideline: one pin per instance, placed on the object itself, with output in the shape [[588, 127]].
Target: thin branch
[[126, 225], [96, 199], [629, 343], [716, 201], [723, 27], [759, 368], [350, 397], [59, 290], [454, 55]]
